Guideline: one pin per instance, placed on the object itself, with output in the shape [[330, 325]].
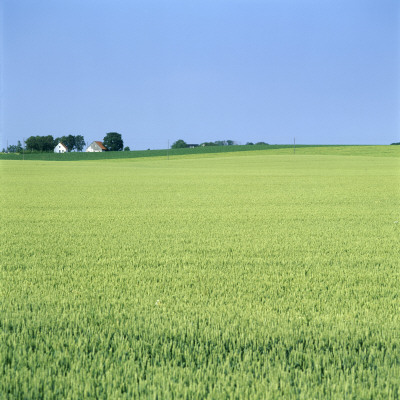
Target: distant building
[[192, 146], [61, 148], [96, 147]]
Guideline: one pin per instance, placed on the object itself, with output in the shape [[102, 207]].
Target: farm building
[[61, 148], [192, 146], [96, 147]]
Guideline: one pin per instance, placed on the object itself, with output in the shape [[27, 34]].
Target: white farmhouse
[[61, 148], [96, 147]]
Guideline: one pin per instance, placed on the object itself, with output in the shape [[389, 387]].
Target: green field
[[238, 275], [208, 150]]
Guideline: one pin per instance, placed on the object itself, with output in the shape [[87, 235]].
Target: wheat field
[[261, 275]]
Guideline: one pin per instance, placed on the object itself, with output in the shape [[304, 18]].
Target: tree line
[[181, 144], [47, 143], [112, 141]]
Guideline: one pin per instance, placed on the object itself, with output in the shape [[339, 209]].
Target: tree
[[127, 148], [40, 143], [230, 142], [113, 141], [12, 148], [249, 143], [179, 144], [46, 142], [79, 142], [32, 143], [261, 143], [208, 144], [15, 148], [72, 142], [396, 143]]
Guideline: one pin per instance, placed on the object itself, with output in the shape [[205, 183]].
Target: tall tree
[[113, 141], [79, 142], [32, 143], [19, 147], [47, 143], [12, 148], [40, 143], [179, 144]]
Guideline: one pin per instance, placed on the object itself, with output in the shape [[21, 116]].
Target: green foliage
[[113, 141], [127, 148], [233, 275], [32, 143], [179, 144], [79, 142], [47, 143], [15, 148], [208, 144], [40, 143], [72, 142]]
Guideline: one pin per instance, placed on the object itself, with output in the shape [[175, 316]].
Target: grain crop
[[254, 276]]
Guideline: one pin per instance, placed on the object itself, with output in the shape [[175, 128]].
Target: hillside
[[390, 151]]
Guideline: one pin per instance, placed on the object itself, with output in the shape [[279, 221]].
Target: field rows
[[243, 277]]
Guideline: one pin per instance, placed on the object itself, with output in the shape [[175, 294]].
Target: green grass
[[251, 275], [391, 151]]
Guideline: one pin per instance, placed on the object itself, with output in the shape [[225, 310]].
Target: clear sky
[[323, 71]]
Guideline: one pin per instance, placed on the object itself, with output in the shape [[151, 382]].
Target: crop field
[[388, 151], [257, 275]]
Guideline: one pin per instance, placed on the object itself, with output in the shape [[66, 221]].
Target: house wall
[[94, 148], [59, 149]]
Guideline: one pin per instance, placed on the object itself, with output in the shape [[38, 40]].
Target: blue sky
[[325, 72]]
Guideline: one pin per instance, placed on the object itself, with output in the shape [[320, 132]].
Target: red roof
[[101, 145]]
